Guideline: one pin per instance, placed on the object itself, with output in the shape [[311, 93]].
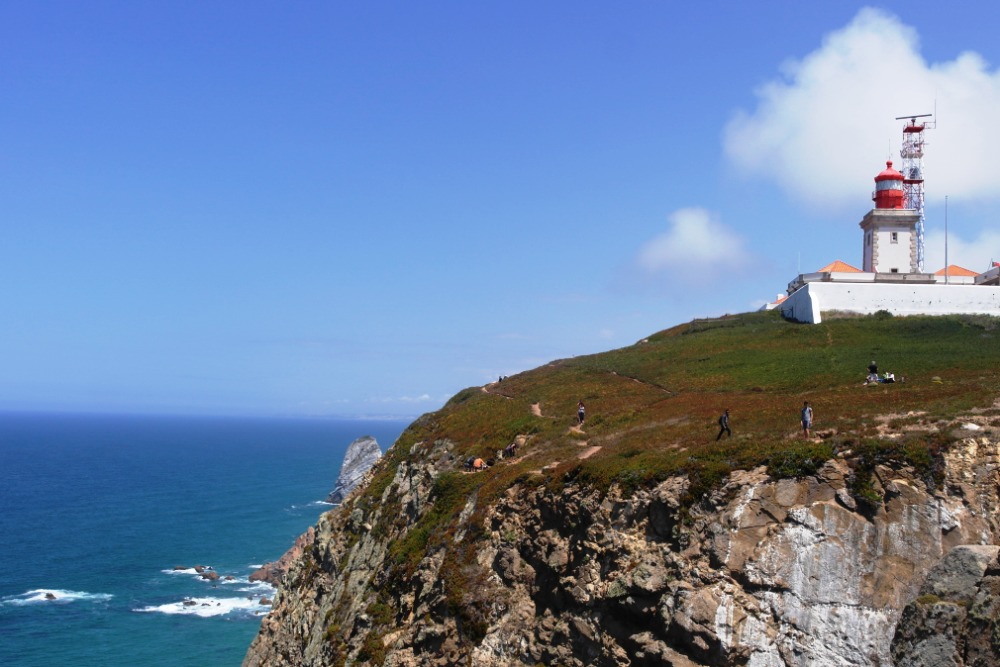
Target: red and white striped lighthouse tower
[[891, 237]]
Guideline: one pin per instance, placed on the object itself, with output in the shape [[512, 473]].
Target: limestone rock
[[361, 455]]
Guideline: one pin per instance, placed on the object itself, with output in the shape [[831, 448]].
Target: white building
[[889, 278]]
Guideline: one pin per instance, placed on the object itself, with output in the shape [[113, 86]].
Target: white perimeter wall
[[809, 302]]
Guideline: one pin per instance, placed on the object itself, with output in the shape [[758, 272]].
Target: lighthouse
[[890, 231]]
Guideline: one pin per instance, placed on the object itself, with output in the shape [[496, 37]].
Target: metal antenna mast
[[912, 169]]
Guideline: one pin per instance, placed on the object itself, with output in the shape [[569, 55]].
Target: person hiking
[[580, 412], [724, 425], [807, 418]]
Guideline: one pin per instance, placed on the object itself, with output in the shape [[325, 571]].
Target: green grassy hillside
[[652, 407]]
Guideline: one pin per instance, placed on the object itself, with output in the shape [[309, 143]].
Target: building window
[[893, 270], [868, 238], [893, 237]]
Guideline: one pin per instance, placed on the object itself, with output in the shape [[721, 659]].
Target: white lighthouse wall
[[808, 303], [890, 254]]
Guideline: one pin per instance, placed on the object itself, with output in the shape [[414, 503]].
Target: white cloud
[[423, 398], [975, 254], [824, 129], [694, 240]]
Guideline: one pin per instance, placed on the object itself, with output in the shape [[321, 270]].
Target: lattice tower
[[912, 168]]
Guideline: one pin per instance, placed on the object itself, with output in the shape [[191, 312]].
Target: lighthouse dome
[[889, 174]]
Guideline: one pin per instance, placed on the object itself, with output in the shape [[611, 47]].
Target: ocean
[[97, 512]]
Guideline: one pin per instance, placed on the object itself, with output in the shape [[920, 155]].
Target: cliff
[[361, 455], [640, 540]]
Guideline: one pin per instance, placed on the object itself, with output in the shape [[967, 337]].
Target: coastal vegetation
[[652, 407]]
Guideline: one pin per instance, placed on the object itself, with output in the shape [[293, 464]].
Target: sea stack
[[361, 456]]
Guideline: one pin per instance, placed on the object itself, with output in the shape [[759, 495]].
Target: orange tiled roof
[[839, 267], [955, 270]]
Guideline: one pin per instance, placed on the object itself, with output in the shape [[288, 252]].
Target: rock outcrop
[[361, 455], [956, 619], [760, 572], [273, 572]]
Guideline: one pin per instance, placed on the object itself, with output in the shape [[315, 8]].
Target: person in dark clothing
[[724, 425], [581, 412], [873, 368]]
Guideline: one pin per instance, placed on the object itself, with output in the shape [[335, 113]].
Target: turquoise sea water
[[97, 511]]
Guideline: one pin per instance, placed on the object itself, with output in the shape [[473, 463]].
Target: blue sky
[[317, 208]]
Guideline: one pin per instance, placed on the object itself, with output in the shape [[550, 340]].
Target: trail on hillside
[[643, 382], [487, 389], [588, 450]]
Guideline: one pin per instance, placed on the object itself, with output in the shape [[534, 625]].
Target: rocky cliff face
[[361, 455], [955, 619], [761, 572]]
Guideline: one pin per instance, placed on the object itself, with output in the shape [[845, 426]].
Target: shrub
[[372, 650], [802, 461]]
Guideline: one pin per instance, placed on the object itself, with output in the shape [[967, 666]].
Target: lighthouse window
[[893, 237]]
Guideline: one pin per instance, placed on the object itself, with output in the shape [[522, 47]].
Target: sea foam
[[54, 596], [207, 607]]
